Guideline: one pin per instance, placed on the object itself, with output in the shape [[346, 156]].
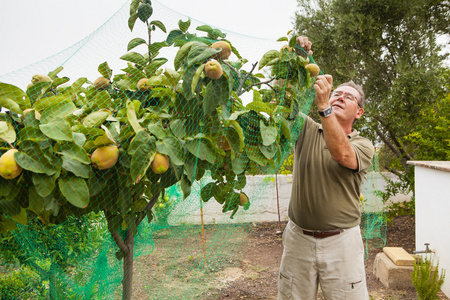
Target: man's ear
[[359, 113]]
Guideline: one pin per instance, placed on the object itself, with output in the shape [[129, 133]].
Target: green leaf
[[59, 81], [37, 90], [31, 133], [134, 57], [201, 54], [207, 191], [58, 130], [55, 72], [237, 127], [182, 53], [134, 6], [239, 164], [203, 149], [136, 75], [187, 82], [61, 110], [171, 147], [216, 33], [105, 70], [72, 151], [10, 105], [142, 137], [205, 28], [282, 39], [178, 129], [79, 83], [7, 225], [154, 65], [159, 24], [268, 133], [50, 102], [96, 118], [184, 26], [268, 57], [132, 118], [6, 186], [21, 217], [79, 138], [269, 151], [44, 184], [141, 160], [37, 202], [185, 186], [217, 92], [132, 20], [77, 168], [173, 35], [157, 130], [155, 47], [241, 181], [75, 190], [257, 104], [285, 129], [125, 84], [7, 132], [32, 163], [10, 208], [255, 155], [134, 43], [13, 93], [101, 100], [145, 11], [196, 77]]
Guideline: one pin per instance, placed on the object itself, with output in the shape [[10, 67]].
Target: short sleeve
[[364, 152]]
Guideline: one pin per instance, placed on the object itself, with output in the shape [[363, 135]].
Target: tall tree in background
[[390, 47]]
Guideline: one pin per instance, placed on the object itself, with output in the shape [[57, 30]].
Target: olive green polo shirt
[[325, 194]]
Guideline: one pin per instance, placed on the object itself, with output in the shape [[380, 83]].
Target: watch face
[[326, 112]]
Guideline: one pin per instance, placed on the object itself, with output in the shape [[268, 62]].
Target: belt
[[322, 234]]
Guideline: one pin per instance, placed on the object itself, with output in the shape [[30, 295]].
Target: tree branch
[[259, 83], [120, 243], [242, 81], [147, 207]]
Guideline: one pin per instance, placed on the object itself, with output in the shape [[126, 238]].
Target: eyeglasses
[[347, 96]]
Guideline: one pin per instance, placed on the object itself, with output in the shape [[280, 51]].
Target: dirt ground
[[248, 273], [266, 250]]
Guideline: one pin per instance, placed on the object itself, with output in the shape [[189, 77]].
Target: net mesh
[[141, 176]]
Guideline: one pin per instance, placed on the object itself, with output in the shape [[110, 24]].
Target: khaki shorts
[[335, 262]]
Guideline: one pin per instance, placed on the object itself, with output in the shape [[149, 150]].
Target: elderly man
[[322, 240]]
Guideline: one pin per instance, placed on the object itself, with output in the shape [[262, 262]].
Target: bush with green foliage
[[426, 279], [23, 283]]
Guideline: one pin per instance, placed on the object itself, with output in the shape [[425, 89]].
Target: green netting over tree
[[107, 178]]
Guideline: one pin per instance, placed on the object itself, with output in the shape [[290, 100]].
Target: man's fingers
[[329, 79], [304, 43]]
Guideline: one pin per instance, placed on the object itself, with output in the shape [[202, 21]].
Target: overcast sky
[[33, 30]]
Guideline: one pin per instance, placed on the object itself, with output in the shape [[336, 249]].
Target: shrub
[[23, 283], [426, 279]]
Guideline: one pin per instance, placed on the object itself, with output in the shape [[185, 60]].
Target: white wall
[[263, 197], [432, 187]]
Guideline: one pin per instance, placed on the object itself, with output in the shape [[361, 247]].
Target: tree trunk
[[127, 281]]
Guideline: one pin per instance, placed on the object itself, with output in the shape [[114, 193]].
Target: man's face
[[345, 103]]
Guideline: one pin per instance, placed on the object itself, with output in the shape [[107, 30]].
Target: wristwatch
[[326, 112]]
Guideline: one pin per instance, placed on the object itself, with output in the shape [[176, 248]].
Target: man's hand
[[323, 87], [305, 44]]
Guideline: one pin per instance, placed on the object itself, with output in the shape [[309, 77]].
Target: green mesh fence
[[136, 179]]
